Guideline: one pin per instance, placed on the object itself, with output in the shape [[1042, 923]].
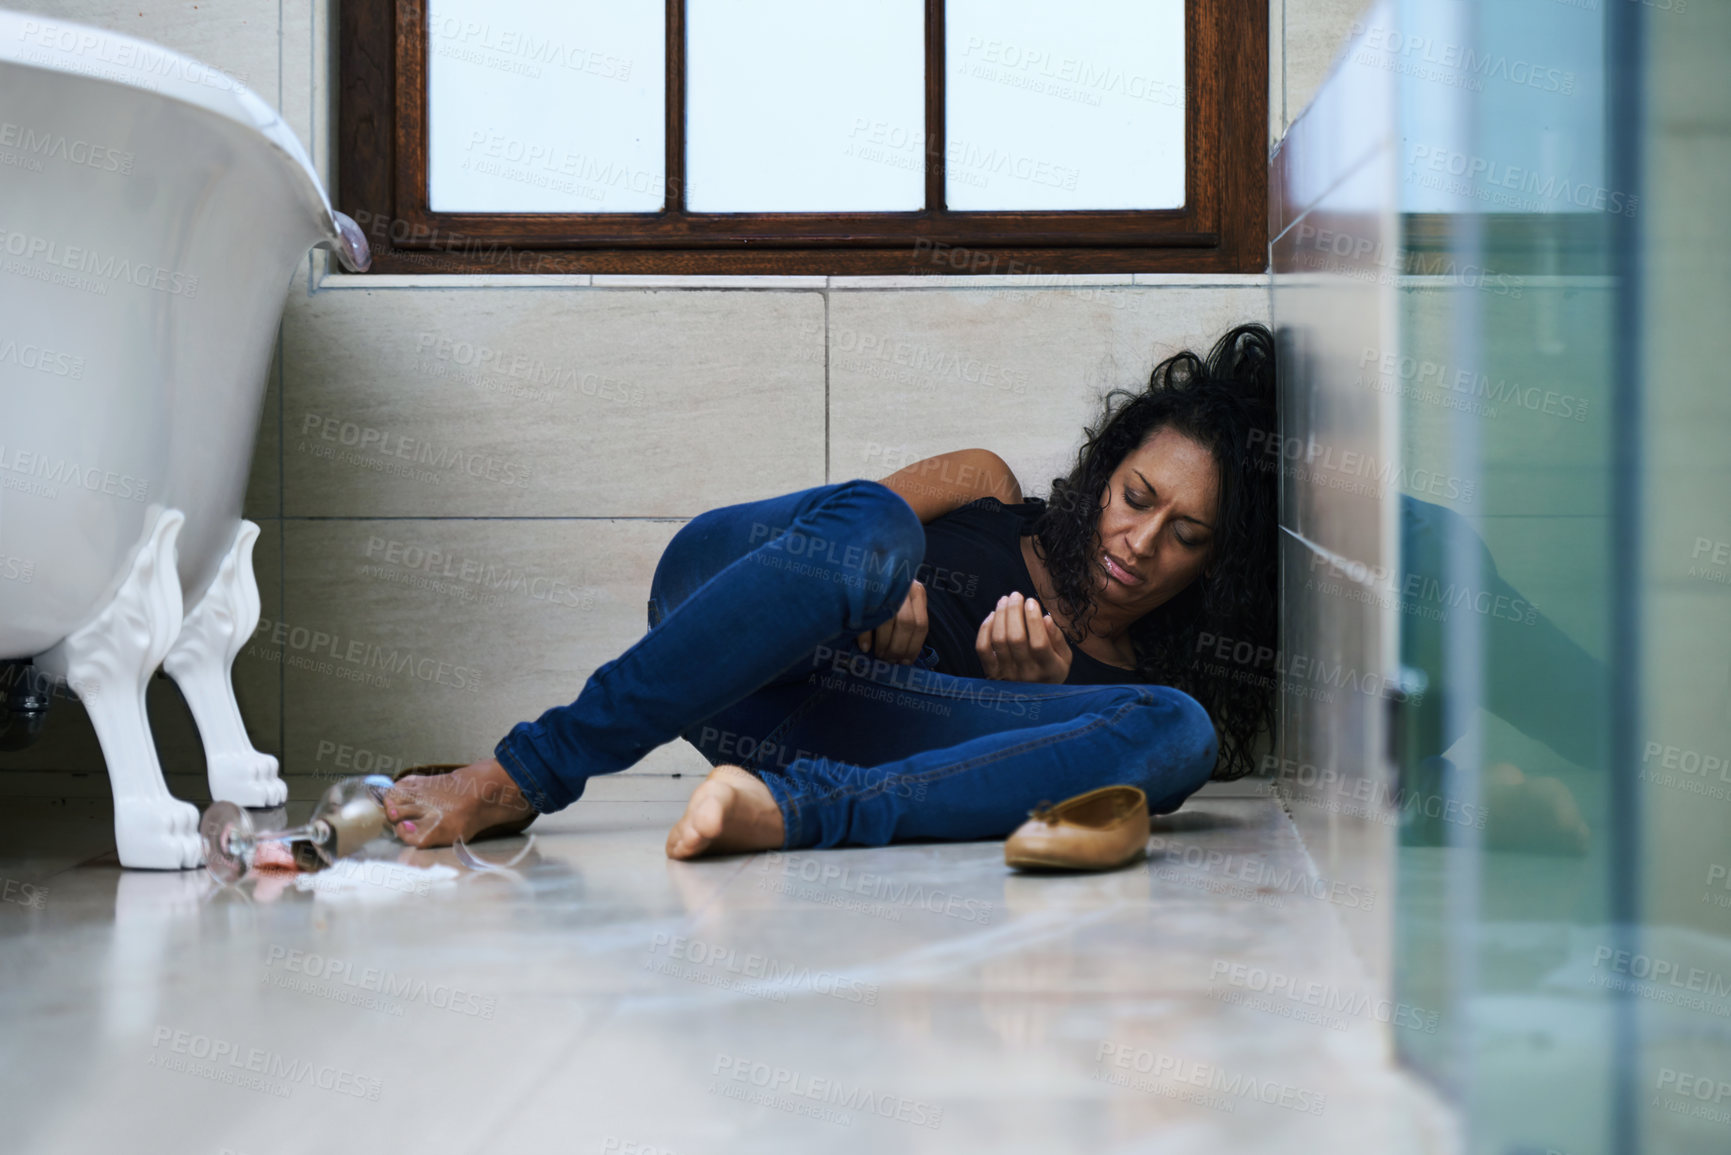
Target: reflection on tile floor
[[599, 998]]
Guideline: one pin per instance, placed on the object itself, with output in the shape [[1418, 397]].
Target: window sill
[[348, 281]]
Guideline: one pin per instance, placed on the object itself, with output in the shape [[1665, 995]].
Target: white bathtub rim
[[225, 97]]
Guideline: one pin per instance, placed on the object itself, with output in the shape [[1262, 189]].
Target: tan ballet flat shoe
[[502, 830], [1099, 830]]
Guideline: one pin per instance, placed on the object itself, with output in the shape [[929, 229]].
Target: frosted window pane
[[805, 105], [1073, 105], [546, 105]]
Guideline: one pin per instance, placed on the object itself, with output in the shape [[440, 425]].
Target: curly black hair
[[1226, 403]]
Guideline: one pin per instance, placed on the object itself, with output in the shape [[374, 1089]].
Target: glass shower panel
[[1512, 299], [798, 106], [1679, 970], [1064, 106], [546, 106]]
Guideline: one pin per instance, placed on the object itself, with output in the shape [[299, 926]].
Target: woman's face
[[1156, 529]]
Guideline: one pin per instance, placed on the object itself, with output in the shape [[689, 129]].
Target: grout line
[[281, 542], [467, 282], [492, 517], [826, 384], [312, 113]]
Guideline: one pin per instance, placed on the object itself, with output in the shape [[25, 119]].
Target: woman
[[931, 655]]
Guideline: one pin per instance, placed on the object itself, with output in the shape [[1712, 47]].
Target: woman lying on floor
[[930, 656]]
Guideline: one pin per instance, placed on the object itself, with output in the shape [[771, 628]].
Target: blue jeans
[[751, 657]]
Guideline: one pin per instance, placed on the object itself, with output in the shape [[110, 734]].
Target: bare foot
[[429, 810], [730, 811], [1535, 815]]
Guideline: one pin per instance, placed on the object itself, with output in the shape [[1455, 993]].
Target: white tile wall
[[667, 397]]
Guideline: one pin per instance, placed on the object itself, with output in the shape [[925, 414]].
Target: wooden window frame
[[382, 182]]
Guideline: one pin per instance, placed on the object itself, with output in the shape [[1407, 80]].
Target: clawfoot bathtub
[[151, 213]]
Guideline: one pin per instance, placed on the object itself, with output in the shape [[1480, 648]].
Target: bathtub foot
[[202, 663], [108, 664]]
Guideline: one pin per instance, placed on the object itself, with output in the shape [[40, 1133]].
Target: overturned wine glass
[[349, 815]]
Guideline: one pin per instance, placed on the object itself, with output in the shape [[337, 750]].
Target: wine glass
[[349, 815]]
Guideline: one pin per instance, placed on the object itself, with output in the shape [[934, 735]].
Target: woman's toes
[[703, 820], [730, 811], [403, 800], [416, 833]]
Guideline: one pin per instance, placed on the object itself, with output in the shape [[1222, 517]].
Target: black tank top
[[973, 558]]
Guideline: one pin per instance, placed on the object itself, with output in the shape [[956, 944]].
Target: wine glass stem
[[307, 833]]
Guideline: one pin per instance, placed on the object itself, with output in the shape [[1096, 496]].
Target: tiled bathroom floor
[[601, 998]]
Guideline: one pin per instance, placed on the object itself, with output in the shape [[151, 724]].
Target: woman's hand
[[1019, 643], [902, 637]]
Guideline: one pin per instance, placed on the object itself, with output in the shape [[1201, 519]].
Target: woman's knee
[[1181, 742], [886, 533], [671, 583], [883, 515]]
